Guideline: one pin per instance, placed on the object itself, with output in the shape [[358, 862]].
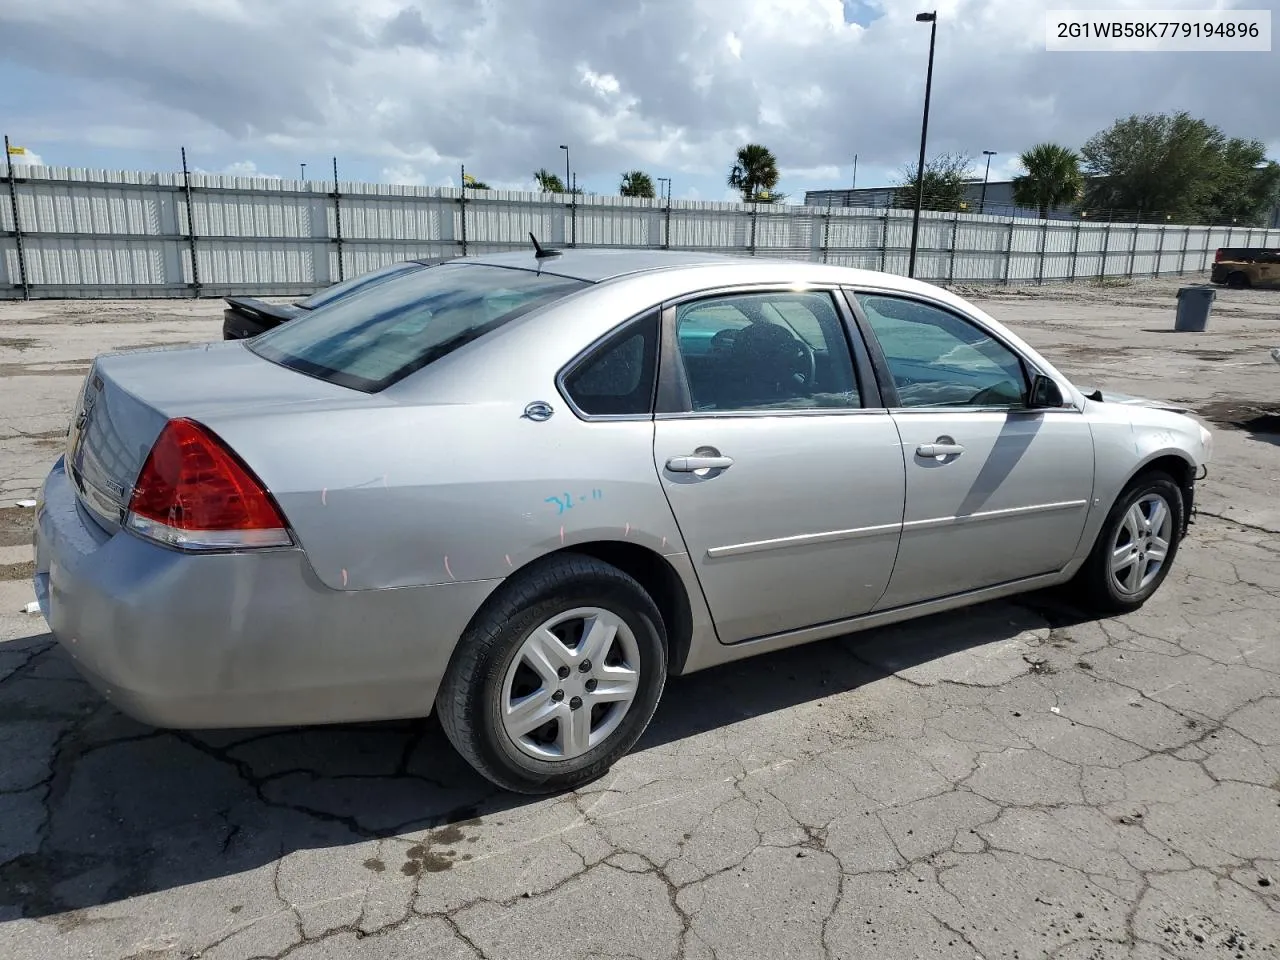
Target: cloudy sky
[[406, 90]]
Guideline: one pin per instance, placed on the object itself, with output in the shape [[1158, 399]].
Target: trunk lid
[[271, 314], [128, 397]]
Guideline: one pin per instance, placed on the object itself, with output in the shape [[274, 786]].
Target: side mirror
[[1045, 394]]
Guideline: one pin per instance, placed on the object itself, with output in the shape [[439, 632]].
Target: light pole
[[565, 148], [982, 204], [303, 168], [667, 181], [932, 19]]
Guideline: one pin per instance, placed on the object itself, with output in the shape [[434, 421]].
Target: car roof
[[597, 264]]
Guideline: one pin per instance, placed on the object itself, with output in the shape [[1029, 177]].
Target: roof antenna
[[539, 251]]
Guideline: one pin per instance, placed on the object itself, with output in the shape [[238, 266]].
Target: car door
[[783, 471], [996, 492]]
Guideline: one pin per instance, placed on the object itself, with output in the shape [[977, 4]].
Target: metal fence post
[[1044, 243], [191, 226], [1075, 251], [1186, 239], [884, 242], [955, 239], [1164, 228], [337, 215], [1008, 255], [666, 233], [17, 228], [1133, 249], [1106, 251], [573, 214], [462, 210], [826, 231]]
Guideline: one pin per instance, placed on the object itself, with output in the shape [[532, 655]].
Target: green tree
[[1248, 184], [637, 183], [755, 173], [1156, 163], [945, 177], [1053, 178], [548, 182]]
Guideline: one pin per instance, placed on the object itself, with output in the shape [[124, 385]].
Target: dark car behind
[[1246, 267]]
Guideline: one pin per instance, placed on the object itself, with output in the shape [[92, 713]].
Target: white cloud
[[417, 87], [408, 176], [605, 84], [247, 168]]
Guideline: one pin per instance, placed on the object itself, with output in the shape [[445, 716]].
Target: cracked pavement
[[1012, 781]]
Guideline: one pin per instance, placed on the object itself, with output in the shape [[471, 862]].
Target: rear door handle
[[694, 464], [939, 450]]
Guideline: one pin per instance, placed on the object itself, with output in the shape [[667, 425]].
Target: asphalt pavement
[[1011, 781]]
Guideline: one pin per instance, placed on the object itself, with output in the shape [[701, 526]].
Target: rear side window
[[346, 288], [375, 338], [619, 376]]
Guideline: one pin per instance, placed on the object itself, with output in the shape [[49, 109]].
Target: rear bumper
[[1218, 274], [236, 640]]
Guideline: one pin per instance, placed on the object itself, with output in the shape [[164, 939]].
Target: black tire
[[1092, 585], [1237, 281], [469, 700]]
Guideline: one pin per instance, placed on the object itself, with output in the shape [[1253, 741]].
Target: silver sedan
[[523, 490]]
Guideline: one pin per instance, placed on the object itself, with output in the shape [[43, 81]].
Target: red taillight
[[1217, 256], [195, 493]]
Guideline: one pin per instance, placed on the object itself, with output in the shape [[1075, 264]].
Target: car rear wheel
[[557, 677], [1237, 281], [1136, 546]]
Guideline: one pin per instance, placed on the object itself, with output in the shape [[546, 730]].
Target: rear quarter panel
[[406, 496]]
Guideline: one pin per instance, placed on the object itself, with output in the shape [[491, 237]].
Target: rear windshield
[[347, 287], [370, 341]]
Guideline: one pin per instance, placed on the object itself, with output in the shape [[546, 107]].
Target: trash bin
[[1194, 306]]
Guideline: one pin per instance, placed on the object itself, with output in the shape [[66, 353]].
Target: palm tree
[[756, 171], [548, 182], [1053, 178], [636, 183]]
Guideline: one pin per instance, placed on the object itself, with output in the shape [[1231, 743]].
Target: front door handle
[[942, 448], [694, 464]]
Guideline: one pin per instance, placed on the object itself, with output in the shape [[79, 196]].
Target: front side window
[[380, 337], [765, 351], [937, 359], [618, 377]]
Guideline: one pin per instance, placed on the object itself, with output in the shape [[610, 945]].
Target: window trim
[[884, 376], [584, 355], [673, 398]]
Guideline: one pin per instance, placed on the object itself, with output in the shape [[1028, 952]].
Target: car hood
[[1110, 396]]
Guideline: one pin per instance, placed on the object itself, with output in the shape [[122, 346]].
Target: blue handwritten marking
[[564, 501]]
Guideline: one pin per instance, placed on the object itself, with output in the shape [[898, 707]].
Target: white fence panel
[[91, 233]]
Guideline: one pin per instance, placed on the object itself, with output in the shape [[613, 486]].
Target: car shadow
[[96, 808]]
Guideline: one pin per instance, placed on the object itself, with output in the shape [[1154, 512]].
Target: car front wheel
[[557, 677], [1136, 546]]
